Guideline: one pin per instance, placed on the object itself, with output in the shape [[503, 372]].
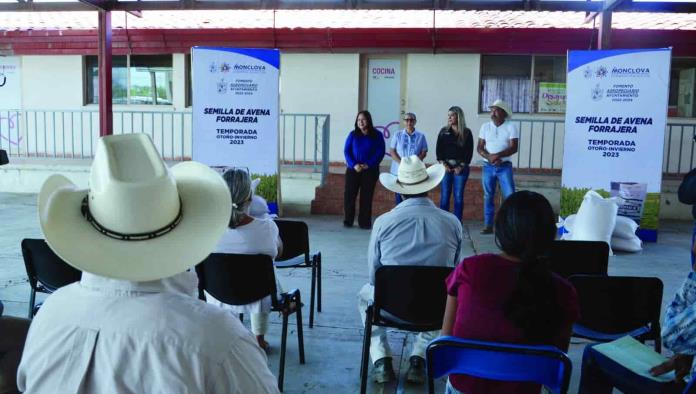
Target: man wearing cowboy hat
[[133, 323], [498, 140], [415, 232]]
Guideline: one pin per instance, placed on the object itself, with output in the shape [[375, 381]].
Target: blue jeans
[[490, 174], [446, 188], [600, 375]]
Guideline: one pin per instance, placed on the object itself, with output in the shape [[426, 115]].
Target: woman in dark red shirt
[[511, 297]]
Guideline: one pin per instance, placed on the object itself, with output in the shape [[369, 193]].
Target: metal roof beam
[[509, 5], [45, 7], [99, 4]]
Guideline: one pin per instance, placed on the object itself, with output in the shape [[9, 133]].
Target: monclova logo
[[249, 68], [599, 72], [630, 72]]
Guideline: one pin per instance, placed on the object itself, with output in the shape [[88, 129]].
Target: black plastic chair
[[410, 298], [568, 258], [46, 271], [296, 254], [615, 306], [541, 364], [240, 279]]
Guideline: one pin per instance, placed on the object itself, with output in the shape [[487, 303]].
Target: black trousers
[[363, 182]]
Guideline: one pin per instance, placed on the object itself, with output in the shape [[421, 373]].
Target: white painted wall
[[310, 83], [435, 83], [321, 83], [52, 82]]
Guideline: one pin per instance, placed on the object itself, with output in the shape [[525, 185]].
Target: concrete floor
[[333, 346]]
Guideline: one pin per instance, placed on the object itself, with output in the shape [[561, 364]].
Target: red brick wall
[[328, 199]]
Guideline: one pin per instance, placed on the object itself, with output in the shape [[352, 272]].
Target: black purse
[[3, 157]]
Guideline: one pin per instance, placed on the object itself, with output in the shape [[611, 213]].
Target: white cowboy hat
[[412, 177], [140, 220], [502, 105]]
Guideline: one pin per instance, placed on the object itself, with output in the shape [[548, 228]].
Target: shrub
[[268, 187]]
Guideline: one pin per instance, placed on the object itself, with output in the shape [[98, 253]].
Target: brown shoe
[[487, 230], [383, 372], [416, 370]]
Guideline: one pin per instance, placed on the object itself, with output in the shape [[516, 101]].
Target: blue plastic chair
[[541, 364], [691, 387]]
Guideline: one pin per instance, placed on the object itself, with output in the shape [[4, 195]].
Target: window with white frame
[[528, 83], [682, 87], [136, 79]]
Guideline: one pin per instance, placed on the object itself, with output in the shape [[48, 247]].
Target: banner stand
[[616, 114], [235, 113]]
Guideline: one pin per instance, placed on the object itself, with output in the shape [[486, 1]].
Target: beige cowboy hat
[[139, 220], [412, 177], [502, 105]]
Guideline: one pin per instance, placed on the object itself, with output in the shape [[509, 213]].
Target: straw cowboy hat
[[502, 105], [412, 177], [140, 220]]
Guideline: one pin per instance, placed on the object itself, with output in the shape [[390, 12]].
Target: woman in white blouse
[[248, 235]]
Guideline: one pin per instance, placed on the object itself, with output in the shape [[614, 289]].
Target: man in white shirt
[[498, 140], [133, 323], [415, 232]]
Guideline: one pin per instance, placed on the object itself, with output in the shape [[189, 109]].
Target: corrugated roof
[[337, 19]]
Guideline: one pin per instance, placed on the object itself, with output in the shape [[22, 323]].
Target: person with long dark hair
[[454, 149], [511, 297], [364, 150]]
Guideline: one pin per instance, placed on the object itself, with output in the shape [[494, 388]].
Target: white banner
[[11, 135], [10, 84], [614, 131], [235, 111]]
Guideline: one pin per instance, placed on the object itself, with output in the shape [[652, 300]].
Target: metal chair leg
[[32, 301], [366, 350], [283, 345], [312, 294], [300, 336], [431, 382], [319, 282]]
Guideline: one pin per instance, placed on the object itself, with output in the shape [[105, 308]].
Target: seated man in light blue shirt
[[415, 232]]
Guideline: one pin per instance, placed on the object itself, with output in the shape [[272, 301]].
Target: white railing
[[304, 138]]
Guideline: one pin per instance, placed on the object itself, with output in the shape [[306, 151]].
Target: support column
[[604, 40], [106, 123]]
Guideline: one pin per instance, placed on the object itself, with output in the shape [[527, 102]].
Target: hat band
[[128, 237], [412, 183]]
